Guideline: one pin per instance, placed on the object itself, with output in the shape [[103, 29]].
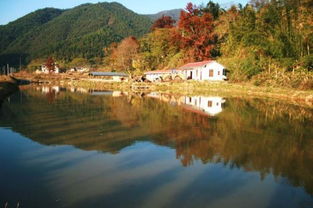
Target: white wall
[[202, 73], [153, 77]]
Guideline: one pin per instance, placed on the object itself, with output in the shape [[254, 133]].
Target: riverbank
[[7, 87], [206, 88], [186, 87]]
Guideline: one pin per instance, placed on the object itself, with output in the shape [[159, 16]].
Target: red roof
[[195, 64]]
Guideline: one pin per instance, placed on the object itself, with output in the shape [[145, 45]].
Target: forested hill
[[65, 34], [174, 13]]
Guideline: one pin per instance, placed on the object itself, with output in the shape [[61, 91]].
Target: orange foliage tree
[[195, 32], [50, 64], [123, 54]]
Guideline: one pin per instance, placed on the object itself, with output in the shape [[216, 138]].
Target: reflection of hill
[[268, 137]]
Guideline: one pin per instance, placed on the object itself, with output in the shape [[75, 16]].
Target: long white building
[[205, 70]]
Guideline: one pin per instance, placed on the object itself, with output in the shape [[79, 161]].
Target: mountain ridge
[[82, 31], [174, 13]]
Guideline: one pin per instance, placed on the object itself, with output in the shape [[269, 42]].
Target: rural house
[[205, 70]]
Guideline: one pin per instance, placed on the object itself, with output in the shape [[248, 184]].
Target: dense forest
[[81, 32], [261, 42]]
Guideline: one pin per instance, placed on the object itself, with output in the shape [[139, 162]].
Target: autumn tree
[[157, 50], [122, 56], [50, 64], [196, 33], [163, 22]]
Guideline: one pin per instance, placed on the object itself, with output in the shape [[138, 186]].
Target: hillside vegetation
[[79, 32], [266, 43]]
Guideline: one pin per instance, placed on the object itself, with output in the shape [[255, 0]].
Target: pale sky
[[11, 10]]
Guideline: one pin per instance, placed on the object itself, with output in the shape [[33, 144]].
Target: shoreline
[[7, 87], [207, 88], [300, 97]]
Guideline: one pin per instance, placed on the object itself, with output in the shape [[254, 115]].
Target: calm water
[[80, 148]]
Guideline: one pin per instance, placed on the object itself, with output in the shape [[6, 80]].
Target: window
[[211, 73]]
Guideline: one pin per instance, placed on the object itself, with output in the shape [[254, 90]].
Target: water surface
[[80, 148]]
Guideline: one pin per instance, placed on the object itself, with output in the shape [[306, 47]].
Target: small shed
[[157, 74], [114, 76]]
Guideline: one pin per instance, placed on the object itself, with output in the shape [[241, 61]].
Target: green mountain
[[65, 34], [174, 13]]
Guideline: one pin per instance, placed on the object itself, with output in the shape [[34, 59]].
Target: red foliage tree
[[163, 22], [196, 33], [50, 64]]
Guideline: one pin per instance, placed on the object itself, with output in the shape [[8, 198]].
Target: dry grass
[[186, 87], [208, 88]]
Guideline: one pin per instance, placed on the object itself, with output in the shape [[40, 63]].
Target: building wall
[[154, 76], [217, 72], [203, 72]]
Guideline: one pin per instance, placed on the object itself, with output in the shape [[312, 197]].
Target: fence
[[6, 70]]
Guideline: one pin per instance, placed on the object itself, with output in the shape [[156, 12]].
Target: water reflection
[[53, 91], [269, 140], [205, 105]]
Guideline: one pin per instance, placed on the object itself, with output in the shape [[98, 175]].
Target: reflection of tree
[[50, 95], [268, 137]]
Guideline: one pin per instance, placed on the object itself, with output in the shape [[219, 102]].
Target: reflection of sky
[[141, 175]]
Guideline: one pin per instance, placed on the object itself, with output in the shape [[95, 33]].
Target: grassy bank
[[206, 88], [185, 88]]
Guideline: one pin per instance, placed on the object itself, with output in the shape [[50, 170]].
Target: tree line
[[262, 40]]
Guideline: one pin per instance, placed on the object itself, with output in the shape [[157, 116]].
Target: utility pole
[[20, 63]]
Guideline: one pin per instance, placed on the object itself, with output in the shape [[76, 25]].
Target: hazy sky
[[12, 9]]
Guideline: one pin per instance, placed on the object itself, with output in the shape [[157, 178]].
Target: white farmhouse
[[45, 70], [205, 70]]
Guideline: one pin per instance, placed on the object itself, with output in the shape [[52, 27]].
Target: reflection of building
[[106, 92], [211, 105], [47, 89]]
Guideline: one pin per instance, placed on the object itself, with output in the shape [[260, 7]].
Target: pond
[[84, 148]]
